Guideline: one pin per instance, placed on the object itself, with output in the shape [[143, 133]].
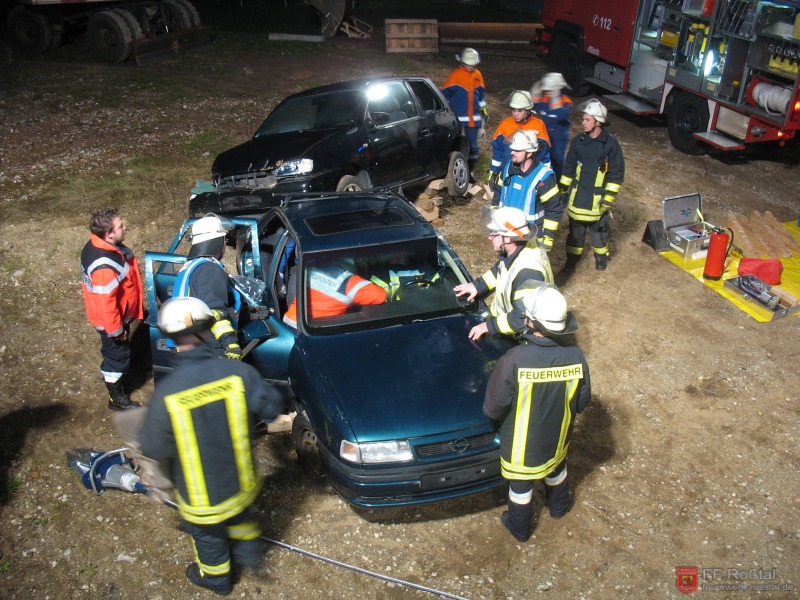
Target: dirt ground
[[687, 455]]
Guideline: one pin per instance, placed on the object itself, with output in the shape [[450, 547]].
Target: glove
[[233, 351], [485, 113], [546, 243], [492, 177]]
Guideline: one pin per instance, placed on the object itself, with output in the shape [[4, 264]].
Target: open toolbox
[[771, 301], [688, 234]]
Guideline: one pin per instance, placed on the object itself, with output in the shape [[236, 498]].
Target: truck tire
[[176, 15], [687, 114], [109, 36], [194, 16], [29, 30], [131, 22]]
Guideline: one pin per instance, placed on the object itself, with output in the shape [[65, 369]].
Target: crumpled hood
[[429, 379], [260, 153]]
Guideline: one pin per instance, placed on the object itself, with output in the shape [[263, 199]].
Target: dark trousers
[[472, 136], [116, 357], [599, 234], [215, 545], [556, 493]]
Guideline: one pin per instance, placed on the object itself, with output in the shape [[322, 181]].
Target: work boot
[[118, 398], [559, 499], [194, 575], [572, 262], [600, 262], [517, 519]]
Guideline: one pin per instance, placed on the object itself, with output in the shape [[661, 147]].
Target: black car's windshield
[[319, 111], [364, 288]]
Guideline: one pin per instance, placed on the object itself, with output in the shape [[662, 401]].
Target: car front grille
[[459, 445]]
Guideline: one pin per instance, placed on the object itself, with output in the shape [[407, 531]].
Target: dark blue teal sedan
[[349, 309]]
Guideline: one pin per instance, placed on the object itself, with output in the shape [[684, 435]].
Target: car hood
[[260, 153], [421, 379]]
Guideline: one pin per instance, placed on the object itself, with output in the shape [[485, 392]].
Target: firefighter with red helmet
[[201, 420], [521, 260], [536, 390], [112, 292], [593, 173]]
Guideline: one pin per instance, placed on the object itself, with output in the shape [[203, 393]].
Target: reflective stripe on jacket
[[528, 262], [537, 388], [594, 170], [111, 284], [535, 193]]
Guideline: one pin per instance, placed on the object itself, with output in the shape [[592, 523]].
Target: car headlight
[[295, 167], [376, 452]]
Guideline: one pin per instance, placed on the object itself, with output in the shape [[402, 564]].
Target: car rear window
[[355, 220]]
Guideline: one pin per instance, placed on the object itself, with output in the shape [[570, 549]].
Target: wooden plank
[[514, 32]]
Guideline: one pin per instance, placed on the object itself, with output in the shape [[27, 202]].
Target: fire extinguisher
[[718, 249]]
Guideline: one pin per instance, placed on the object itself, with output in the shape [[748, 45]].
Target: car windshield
[[319, 111], [377, 286]]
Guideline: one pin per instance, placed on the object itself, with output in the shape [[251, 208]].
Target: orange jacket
[[501, 153], [330, 295], [112, 286], [466, 93]]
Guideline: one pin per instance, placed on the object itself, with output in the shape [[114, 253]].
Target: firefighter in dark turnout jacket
[[112, 292], [536, 389], [201, 420], [592, 176], [203, 276]]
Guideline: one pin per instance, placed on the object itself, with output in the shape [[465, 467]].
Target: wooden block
[[436, 185], [438, 201], [424, 204]]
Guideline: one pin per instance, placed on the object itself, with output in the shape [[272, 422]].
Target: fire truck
[[724, 72], [116, 30]]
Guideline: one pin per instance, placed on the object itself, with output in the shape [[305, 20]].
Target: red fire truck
[[724, 72]]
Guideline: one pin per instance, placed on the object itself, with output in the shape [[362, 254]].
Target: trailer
[[116, 30], [723, 72]]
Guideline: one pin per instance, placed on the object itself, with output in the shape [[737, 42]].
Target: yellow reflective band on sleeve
[[612, 187], [549, 225], [221, 328], [554, 191], [565, 181], [548, 374], [489, 279], [503, 327]]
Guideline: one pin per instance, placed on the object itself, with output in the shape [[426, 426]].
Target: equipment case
[[687, 232]]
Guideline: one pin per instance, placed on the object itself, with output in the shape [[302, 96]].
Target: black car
[[380, 133]]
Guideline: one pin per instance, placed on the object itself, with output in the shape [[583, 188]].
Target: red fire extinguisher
[[718, 249]]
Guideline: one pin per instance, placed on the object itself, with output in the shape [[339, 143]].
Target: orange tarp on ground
[[790, 277]]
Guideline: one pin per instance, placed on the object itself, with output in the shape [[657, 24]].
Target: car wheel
[[305, 444], [687, 115], [353, 183], [457, 180]]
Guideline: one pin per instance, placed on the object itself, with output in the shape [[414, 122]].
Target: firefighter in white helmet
[[466, 92], [521, 260], [530, 185], [555, 109], [536, 390], [593, 173], [203, 276], [522, 117], [201, 420]]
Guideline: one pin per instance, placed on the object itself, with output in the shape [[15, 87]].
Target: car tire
[[353, 183], [305, 444], [457, 180]]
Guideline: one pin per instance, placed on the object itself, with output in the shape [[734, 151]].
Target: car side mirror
[[257, 331]]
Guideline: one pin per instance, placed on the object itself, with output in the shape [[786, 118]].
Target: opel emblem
[[460, 445]]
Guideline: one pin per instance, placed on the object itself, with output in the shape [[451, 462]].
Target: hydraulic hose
[[344, 565]]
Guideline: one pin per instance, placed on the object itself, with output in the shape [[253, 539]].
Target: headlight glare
[[295, 167], [376, 452]]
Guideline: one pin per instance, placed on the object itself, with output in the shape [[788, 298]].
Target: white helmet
[[469, 57], [595, 109], [554, 81], [543, 304], [184, 315], [520, 99], [508, 222], [208, 228], [523, 139]]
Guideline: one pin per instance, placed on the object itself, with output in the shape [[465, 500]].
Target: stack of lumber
[[762, 236], [429, 201]]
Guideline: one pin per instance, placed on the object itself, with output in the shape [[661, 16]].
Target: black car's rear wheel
[[305, 444], [457, 180]]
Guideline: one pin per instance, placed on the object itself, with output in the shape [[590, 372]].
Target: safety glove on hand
[[485, 114], [233, 351]]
